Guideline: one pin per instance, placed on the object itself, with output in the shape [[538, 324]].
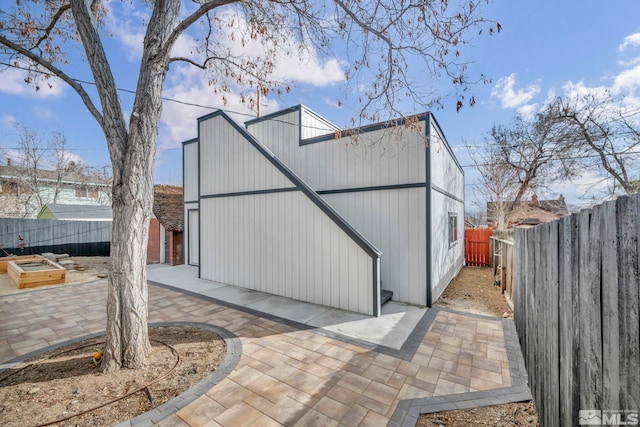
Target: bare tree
[[385, 35], [600, 132], [499, 184], [38, 169], [533, 149]]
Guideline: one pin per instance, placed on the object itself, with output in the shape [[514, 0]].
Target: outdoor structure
[[531, 212], [23, 192], [294, 207], [34, 272], [165, 228], [76, 212]]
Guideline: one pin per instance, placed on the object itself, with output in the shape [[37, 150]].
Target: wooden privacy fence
[[502, 261], [476, 244], [576, 300], [34, 236]]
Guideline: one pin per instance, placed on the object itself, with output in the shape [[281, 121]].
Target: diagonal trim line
[[353, 234], [250, 193], [374, 188]]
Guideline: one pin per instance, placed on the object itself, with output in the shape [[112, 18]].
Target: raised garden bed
[[4, 261], [31, 273]]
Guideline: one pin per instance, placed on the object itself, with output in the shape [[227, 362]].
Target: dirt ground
[[66, 382], [507, 415], [473, 291], [86, 269]]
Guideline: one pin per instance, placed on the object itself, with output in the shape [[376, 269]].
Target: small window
[[85, 192], [453, 228]]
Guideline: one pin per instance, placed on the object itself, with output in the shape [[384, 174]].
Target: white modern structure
[[294, 207]]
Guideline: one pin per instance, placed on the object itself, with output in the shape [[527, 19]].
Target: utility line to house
[[177, 101], [554, 159], [624, 152]]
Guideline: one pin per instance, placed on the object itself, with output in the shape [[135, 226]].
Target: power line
[[177, 101]]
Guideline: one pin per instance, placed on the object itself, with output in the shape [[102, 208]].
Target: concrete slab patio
[[290, 364]]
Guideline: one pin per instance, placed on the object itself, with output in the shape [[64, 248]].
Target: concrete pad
[[287, 308], [390, 330], [235, 295], [201, 286]]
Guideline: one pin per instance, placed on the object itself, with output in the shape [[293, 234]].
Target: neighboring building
[[165, 228], [76, 212], [24, 192], [292, 207], [529, 213]]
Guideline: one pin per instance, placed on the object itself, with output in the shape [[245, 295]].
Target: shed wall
[[447, 196], [259, 231], [377, 183], [190, 171], [190, 195]]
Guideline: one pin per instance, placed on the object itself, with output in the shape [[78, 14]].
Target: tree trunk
[[127, 341]]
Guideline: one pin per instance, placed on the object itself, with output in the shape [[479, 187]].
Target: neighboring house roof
[[72, 177], [76, 212], [534, 211], [167, 206]]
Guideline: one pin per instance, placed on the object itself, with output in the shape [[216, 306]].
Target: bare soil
[[54, 387], [66, 381], [473, 291], [507, 415], [86, 269]]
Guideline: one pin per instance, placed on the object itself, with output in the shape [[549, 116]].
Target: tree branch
[[189, 20], [52, 24], [86, 99]]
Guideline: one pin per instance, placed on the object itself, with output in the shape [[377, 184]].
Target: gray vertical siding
[[263, 229], [190, 195], [447, 195], [376, 182]]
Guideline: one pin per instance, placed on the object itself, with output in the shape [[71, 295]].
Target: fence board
[[610, 327], [576, 303], [568, 330], [628, 301], [590, 311], [553, 391], [476, 243]]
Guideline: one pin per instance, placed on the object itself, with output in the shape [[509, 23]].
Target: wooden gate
[[477, 248]]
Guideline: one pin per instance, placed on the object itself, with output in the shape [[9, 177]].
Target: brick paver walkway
[[287, 374]]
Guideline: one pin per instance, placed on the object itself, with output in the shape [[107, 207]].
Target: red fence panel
[[477, 247]]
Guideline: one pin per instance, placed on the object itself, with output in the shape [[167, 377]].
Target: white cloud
[[509, 96], [627, 81], [12, 82], [632, 40], [179, 120], [127, 26], [8, 121], [528, 111]]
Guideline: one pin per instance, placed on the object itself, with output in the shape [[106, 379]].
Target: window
[[15, 188], [453, 228], [83, 191]]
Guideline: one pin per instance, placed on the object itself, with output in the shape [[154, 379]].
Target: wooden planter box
[[35, 272], [4, 261]]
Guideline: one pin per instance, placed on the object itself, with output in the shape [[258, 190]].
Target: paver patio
[[289, 373]]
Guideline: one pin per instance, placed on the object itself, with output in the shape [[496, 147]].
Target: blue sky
[[544, 48]]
